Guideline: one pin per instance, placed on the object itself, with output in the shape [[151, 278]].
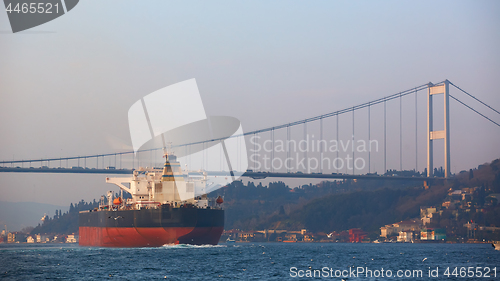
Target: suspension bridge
[[321, 147]]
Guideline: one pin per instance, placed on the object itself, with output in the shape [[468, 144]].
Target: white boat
[[496, 245]]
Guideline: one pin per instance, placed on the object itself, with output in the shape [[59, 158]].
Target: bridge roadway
[[250, 174]]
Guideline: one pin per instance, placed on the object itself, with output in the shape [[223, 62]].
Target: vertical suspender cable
[[385, 138], [287, 147], [369, 138], [400, 133], [272, 151], [336, 160], [353, 140], [259, 158], [238, 153], [321, 144], [416, 139], [254, 150], [307, 146]]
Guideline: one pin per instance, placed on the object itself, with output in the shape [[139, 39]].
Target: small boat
[[496, 245], [229, 240]]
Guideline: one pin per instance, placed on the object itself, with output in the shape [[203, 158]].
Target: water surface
[[248, 261]]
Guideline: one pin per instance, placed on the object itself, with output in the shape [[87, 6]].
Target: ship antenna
[[164, 146], [169, 148]]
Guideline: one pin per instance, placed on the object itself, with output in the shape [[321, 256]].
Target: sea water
[[252, 261]]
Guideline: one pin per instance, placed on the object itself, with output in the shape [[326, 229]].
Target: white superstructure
[[153, 186]]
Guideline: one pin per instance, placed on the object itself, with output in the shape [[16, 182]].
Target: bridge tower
[[443, 134]]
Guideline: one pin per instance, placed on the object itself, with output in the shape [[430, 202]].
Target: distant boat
[[496, 245], [229, 240]]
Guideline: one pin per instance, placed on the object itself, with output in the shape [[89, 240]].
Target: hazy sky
[[66, 86]]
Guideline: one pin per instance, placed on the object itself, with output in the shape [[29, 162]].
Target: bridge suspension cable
[[475, 98], [474, 110], [254, 133], [288, 126]]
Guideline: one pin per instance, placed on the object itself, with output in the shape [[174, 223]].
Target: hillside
[[64, 223], [19, 215], [362, 209], [250, 207], [341, 205]]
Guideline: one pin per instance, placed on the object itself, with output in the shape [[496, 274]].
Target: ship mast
[[164, 146]]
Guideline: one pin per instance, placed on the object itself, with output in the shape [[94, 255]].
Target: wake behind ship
[[163, 210]]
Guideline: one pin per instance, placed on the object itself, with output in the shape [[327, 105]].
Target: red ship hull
[[151, 227], [148, 236]]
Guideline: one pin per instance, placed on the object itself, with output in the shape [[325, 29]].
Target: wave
[[188, 246]]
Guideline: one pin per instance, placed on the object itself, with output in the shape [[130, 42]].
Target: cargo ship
[[166, 207]]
